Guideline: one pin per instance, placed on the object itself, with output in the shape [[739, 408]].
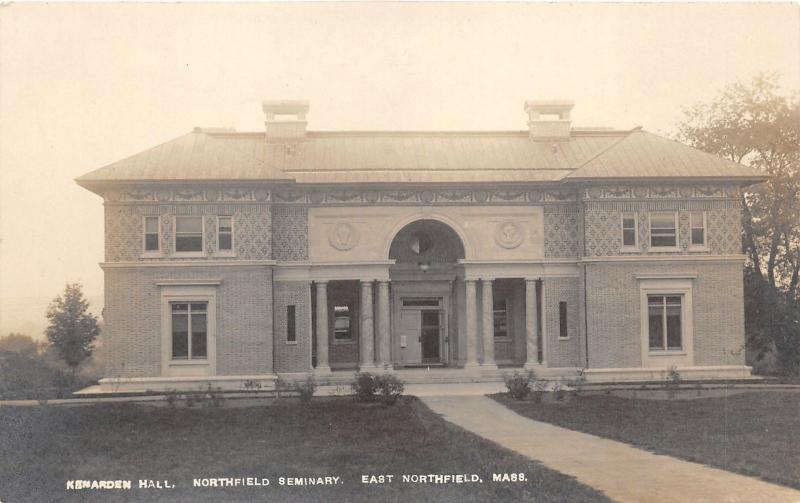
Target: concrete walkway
[[622, 472]]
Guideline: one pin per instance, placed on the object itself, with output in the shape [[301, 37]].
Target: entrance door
[[429, 338], [410, 335]]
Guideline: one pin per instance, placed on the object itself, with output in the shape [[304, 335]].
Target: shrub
[[306, 389], [213, 397], [558, 392], [519, 384], [389, 388], [364, 387], [672, 381], [172, 397], [539, 388]]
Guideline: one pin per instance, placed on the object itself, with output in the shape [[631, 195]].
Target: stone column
[[384, 342], [487, 305], [367, 348], [531, 327], [471, 328], [322, 329]]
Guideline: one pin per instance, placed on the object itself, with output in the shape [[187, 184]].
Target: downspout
[[585, 289]]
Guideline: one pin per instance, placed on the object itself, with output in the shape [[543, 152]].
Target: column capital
[[531, 279]]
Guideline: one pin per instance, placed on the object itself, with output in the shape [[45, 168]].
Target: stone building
[[233, 256]]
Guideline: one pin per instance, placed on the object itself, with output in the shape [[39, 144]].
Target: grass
[[43, 447], [751, 433]]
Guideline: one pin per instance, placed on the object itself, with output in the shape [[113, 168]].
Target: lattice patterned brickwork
[[124, 230], [604, 234], [290, 233], [561, 231]]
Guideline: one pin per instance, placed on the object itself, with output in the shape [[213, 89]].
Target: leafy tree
[[18, 343], [72, 328], [757, 126], [753, 124]]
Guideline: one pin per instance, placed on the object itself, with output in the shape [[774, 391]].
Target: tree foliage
[[72, 328], [18, 343], [755, 125]]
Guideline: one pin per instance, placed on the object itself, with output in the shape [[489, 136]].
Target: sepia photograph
[[399, 252]]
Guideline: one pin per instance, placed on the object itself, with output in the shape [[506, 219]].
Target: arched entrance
[[424, 322]]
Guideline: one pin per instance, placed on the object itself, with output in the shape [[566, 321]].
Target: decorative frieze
[[238, 195], [661, 191]]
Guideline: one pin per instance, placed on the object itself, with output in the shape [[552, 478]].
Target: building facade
[[234, 257]]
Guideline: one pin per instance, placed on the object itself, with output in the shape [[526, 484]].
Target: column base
[[322, 371], [488, 366], [472, 366], [370, 367], [533, 366]]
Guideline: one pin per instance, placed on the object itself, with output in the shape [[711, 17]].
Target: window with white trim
[[697, 223], [225, 234], [188, 234], [500, 313], [189, 329], [629, 231], [151, 238], [665, 322], [663, 229]]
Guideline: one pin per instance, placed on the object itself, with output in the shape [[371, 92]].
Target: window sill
[[291, 343], [188, 254], [343, 342], [151, 254], [502, 339], [630, 249], [661, 249], [182, 363], [564, 338], [699, 249], [667, 353], [225, 254]]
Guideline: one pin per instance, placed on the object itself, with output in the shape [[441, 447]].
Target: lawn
[[43, 447], [754, 433]]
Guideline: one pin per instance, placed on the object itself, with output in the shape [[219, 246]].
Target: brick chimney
[[548, 120], [285, 119]]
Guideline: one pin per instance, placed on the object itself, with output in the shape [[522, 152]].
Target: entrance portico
[[429, 304]]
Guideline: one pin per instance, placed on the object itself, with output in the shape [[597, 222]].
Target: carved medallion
[[343, 236], [426, 196], [481, 196], [163, 195], [534, 196], [372, 196], [508, 235], [212, 195], [317, 197]]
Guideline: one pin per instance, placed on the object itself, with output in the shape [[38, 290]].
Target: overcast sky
[[84, 85]]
